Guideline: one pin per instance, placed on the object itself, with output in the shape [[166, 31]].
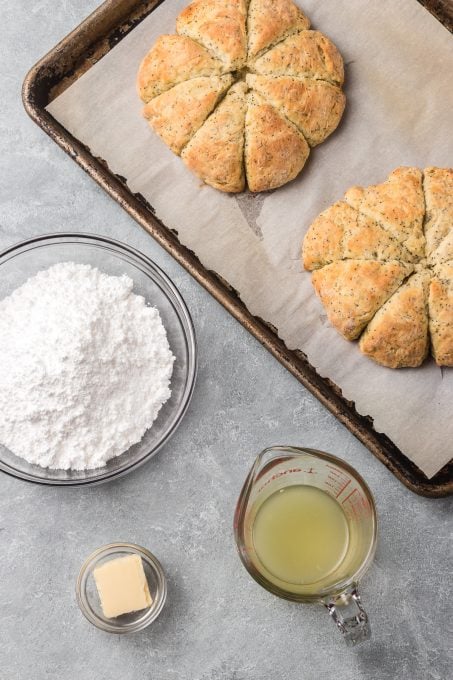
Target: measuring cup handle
[[348, 614]]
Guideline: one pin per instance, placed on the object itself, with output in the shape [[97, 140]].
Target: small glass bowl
[[26, 259], [88, 598]]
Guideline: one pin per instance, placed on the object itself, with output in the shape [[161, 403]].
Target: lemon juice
[[300, 534]]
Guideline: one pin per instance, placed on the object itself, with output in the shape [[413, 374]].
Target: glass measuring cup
[[279, 467]]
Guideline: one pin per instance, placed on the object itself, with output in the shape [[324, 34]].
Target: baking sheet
[[398, 112]]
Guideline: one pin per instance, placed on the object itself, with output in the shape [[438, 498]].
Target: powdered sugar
[[85, 367]]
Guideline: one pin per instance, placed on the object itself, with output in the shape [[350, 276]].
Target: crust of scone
[[270, 21], [177, 114], [438, 188], [314, 106], [397, 204], [307, 54], [341, 232], [323, 242], [444, 251], [367, 240], [440, 308], [275, 150], [352, 291], [215, 153], [219, 25], [397, 336], [354, 196], [172, 60]]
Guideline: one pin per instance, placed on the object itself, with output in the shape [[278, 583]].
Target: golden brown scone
[[354, 196], [314, 106], [323, 242], [215, 153], [397, 336], [173, 59], [353, 290], [441, 314], [218, 25], [308, 53], [275, 150], [269, 21], [177, 114], [365, 239], [360, 249], [341, 232], [397, 204], [444, 251], [217, 39], [438, 188]]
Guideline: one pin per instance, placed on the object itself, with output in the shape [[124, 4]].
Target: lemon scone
[[275, 150], [177, 114], [221, 166], [382, 263], [440, 308], [243, 91]]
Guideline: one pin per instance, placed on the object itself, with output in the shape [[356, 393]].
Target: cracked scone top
[[243, 91], [382, 262]]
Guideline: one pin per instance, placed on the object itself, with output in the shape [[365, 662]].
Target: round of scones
[[243, 91], [382, 262]]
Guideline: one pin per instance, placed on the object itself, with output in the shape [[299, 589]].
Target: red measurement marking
[[347, 497], [336, 471], [343, 488], [290, 471]]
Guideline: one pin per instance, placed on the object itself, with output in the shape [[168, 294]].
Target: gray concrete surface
[[218, 624]]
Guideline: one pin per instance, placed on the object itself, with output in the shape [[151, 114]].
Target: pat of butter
[[122, 586]]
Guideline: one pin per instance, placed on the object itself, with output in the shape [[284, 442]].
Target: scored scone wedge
[[177, 114], [367, 240], [308, 54], [270, 21], [440, 308], [341, 232], [397, 335], [220, 26], [444, 251], [314, 106], [438, 188], [353, 290], [215, 153], [275, 150], [397, 204], [172, 60], [323, 242]]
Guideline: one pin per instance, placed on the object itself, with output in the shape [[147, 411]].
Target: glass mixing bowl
[[25, 259]]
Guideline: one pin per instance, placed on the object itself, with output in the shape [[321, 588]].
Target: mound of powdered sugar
[[85, 367]]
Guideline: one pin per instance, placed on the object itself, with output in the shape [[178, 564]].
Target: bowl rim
[[86, 569], [190, 336]]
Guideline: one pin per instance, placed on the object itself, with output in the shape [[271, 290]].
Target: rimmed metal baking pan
[[66, 62]]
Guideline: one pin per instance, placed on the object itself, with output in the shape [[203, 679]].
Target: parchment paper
[[399, 65]]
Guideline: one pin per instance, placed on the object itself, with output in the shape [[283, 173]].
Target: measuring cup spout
[[274, 455]]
